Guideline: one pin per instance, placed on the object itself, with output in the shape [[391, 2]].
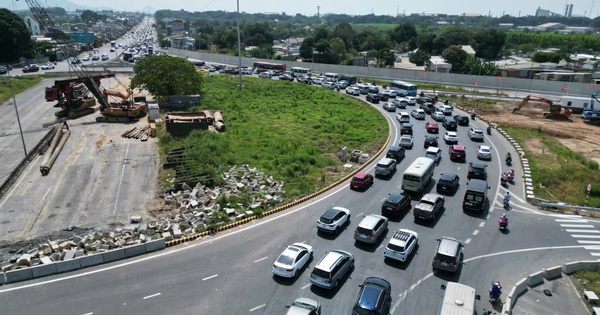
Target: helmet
[[508, 153], [508, 193]]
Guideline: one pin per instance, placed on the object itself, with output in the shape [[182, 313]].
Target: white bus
[[459, 299], [418, 174], [299, 71]]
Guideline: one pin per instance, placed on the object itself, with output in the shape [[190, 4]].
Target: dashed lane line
[[257, 308], [151, 296], [207, 278]]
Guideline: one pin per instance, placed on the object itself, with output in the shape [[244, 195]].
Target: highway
[[230, 273]]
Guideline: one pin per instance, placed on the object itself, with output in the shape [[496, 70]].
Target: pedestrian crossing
[[580, 228]]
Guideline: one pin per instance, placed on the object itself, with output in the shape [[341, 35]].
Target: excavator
[[556, 110]]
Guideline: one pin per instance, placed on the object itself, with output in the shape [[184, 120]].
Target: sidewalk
[[564, 300]]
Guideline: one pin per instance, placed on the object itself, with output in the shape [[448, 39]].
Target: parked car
[[386, 167], [293, 258], [429, 207], [396, 152], [406, 141], [85, 58], [374, 297], [333, 220], [352, 90], [448, 183], [458, 152], [361, 181], [48, 66], [477, 170], [432, 127], [407, 129], [395, 204], [437, 116], [401, 245], [371, 228], [418, 113], [462, 119], [31, 68], [450, 137], [430, 141], [389, 106], [304, 306], [484, 152], [434, 153], [330, 269], [475, 134], [449, 123]]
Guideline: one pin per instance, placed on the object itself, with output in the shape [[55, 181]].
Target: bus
[[277, 68], [299, 71], [404, 88], [459, 299], [418, 175]]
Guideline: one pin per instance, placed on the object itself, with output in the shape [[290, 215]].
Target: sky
[[351, 7]]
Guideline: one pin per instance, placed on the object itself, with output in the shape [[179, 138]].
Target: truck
[[576, 104], [592, 115]]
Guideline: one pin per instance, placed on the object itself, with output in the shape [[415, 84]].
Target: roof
[[468, 49], [360, 175]]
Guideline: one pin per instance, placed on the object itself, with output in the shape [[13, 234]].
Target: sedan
[[389, 106], [86, 58], [450, 137], [293, 258], [265, 74], [31, 68], [484, 152], [432, 127], [437, 116], [48, 66], [411, 100], [95, 57], [400, 102], [304, 306], [406, 142], [286, 76]]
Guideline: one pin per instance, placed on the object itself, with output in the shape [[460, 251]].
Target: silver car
[[331, 268], [385, 167], [371, 228], [475, 134], [304, 306]]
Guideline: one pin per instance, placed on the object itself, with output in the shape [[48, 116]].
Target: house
[[32, 25], [516, 69], [438, 64], [182, 42], [468, 49]]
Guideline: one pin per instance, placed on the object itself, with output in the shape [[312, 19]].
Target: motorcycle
[[504, 180], [495, 292], [503, 222], [505, 204], [508, 160], [511, 176], [489, 130]]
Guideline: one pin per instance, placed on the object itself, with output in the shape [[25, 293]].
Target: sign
[[476, 83], [565, 89], [589, 188], [83, 38], [178, 25], [499, 78], [591, 85]]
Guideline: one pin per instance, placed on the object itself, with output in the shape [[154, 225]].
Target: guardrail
[[559, 206]]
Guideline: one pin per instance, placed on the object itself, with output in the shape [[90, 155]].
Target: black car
[[373, 98], [448, 183], [430, 141], [427, 107], [384, 97], [394, 204], [424, 99], [396, 152], [462, 119], [3, 70], [449, 123], [374, 297], [31, 68], [407, 129], [286, 76], [477, 170]]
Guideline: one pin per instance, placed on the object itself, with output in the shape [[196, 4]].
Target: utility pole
[[318, 14]]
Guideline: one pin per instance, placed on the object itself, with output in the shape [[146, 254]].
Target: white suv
[[401, 245], [333, 220]]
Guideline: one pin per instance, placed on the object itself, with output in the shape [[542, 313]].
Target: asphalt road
[[230, 273]]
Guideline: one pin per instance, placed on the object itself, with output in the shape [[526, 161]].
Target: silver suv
[[448, 254], [371, 228], [331, 268], [385, 167]]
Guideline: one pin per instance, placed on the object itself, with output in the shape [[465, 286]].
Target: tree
[[549, 57], [338, 48], [15, 39], [166, 75], [456, 56], [92, 17], [419, 58], [307, 48], [346, 33], [425, 42], [404, 33], [488, 43]]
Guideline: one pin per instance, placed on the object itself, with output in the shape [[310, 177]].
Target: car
[[85, 58], [331, 268], [449, 123], [361, 181], [31, 68], [388, 93], [48, 66], [104, 57], [112, 50], [484, 152], [212, 69], [317, 81], [448, 254], [477, 170], [457, 152], [396, 152], [370, 228], [429, 207], [386, 167], [3, 70], [400, 102], [373, 89], [293, 258], [383, 96], [475, 134], [352, 90], [95, 57], [329, 85], [246, 71], [406, 141], [450, 137], [394, 204], [286, 77], [437, 116], [446, 109], [428, 108], [407, 129], [304, 306], [462, 119], [448, 183], [403, 117], [342, 84], [434, 153], [411, 100], [333, 220], [374, 297], [75, 61], [389, 106], [432, 127], [373, 98], [401, 245], [418, 113], [265, 74], [424, 99], [430, 141]]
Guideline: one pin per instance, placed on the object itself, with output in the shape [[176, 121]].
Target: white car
[[352, 90], [104, 57], [265, 74], [411, 100], [450, 137], [446, 109], [47, 66], [293, 258], [434, 153], [86, 58], [400, 102], [475, 134], [389, 106], [304, 306], [401, 245], [418, 113], [484, 152], [406, 141], [333, 220]]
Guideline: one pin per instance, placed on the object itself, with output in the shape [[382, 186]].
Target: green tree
[[425, 42], [346, 33], [307, 48], [488, 43], [166, 75], [456, 56], [404, 33], [338, 48], [419, 58], [549, 57], [15, 39]]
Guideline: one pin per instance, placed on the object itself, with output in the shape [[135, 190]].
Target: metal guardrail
[[557, 206]]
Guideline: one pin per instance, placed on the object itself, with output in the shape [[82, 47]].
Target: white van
[[459, 299], [364, 88], [403, 117], [331, 77]]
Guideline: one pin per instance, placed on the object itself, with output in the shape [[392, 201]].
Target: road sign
[[589, 188], [83, 38], [476, 83]]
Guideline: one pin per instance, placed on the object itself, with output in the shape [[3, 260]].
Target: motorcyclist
[[507, 197], [489, 130], [508, 158], [503, 219], [496, 289], [473, 114]]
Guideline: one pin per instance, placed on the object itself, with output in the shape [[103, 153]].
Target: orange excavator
[[556, 110]]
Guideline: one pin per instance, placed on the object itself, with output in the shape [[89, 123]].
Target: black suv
[[407, 129], [448, 183], [384, 97], [374, 297], [462, 119], [373, 98], [427, 107], [396, 152], [449, 123], [477, 170], [394, 204], [430, 141]]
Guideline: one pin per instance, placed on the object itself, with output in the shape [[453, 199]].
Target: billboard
[[83, 38], [177, 25]]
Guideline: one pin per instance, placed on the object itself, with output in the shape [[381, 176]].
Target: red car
[[432, 127], [457, 152], [31, 68], [361, 181]]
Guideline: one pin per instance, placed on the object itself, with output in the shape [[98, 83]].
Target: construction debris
[[142, 133], [61, 134]]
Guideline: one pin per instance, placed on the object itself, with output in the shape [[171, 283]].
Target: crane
[[556, 110], [591, 115]]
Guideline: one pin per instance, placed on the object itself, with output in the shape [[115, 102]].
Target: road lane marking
[[593, 247], [581, 231], [90, 313], [468, 241], [595, 254], [306, 286], [207, 278], [475, 232], [261, 259], [481, 224], [358, 215], [258, 307], [380, 246], [574, 216], [585, 236], [121, 178], [572, 220], [590, 242], [577, 225], [151, 296]]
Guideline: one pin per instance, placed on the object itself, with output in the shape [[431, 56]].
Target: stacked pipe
[[59, 139], [218, 121], [137, 133]]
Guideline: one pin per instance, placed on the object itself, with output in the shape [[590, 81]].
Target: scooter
[[489, 130], [504, 180], [505, 204], [511, 176], [503, 222], [495, 297], [508, 160]]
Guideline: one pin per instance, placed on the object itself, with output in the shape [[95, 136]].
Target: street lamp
[[12, 90], [239, 45]]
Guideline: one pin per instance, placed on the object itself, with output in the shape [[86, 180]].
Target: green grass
[[587, 280], [293, 132], [19, 85]]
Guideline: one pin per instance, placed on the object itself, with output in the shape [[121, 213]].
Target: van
[[454, 293], [476, 195], [331, 77], [331, 268], [403, 117], [349, 78], [364, 88], [448, 254]]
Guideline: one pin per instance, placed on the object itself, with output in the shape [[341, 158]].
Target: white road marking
[[258, 307], [585, 236], [261, 259], [151, 296], [306, 286], [213, 276], [358, 215], [475, 232], [90, 313], [467, 241], [571, 220], [574, 216], [121, 178], [577, 225], [592, 247], [581, 231], [380, 246], [595, 254], [481, 224], [589, 242]]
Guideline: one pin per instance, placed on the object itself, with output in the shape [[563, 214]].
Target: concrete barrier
[[91, 260], [589, 264], [507, 306], [553, 272], [569, 268], [67, 265], [43, 270], [113, 255], [518, 289], [135, 250], [155, 245], [18, 275], [535, 278], [2, 279]]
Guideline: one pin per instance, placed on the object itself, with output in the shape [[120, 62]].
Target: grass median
[[19, 84]]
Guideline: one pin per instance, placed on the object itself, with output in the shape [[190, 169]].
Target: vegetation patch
[[587, 280], [19, 85]]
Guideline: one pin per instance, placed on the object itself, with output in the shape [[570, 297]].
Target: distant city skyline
[[351, 7]]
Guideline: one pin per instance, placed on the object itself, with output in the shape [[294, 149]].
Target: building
[[32, 25], [182, 42], [546, 27], [546, 13], [438, 64], [468, 49]]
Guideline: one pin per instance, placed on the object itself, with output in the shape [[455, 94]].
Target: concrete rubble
[[196, 210]]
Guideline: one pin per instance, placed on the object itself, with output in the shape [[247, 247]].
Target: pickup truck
[[429, 206]]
